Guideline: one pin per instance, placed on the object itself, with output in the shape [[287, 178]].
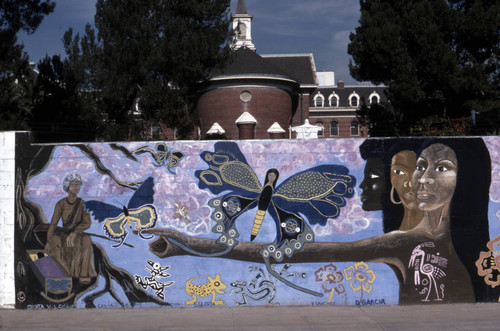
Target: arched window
[[374, 98], [354, 99], [334, 129], [321, 127], [242, 30], [354, 128], [319, 100], [333, 99]]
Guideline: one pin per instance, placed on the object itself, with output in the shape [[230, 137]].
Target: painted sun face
[[435, 177], [402, 166], [373, 185]]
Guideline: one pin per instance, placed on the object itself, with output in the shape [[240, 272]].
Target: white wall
[[7, 195]]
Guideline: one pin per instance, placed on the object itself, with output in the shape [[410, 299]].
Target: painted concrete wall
[[176, 223]]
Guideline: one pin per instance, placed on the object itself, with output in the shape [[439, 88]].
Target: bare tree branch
[[87, 150]]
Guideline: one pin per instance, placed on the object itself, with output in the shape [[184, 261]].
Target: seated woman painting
[[68, 245]]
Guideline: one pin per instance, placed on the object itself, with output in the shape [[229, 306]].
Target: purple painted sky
[[279, 27]]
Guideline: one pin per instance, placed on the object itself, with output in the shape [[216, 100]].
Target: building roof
[[276, 128], [241, 9], [246, 118], [246, 62], [301, 67]]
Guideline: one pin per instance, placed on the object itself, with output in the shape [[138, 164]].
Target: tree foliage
[[141, 65], [154, 54], [16, 76], [439, 58]]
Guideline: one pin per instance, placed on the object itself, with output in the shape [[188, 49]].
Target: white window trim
[[354, 95], [331, 97], [319, 96], [374, 94], [321, 131]]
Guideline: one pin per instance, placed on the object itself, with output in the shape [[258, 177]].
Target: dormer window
[[374, 98], [354, 99], [333, 99], [319, 100]]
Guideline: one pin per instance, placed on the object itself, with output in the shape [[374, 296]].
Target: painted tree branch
[[101, 168], [362, 250]]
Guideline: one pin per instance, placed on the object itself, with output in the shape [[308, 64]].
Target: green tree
[[16, 75], [67, 93], [155, 56], [439, 59]]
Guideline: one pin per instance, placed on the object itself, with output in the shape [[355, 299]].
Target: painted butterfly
[[140, 210], [162, 156], [317, 193]]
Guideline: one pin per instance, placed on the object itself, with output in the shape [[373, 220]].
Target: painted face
[[271, 177], [373, 185], [435, 177], [74, 187], [402, 167]]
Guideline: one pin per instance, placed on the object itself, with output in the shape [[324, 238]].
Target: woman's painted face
[[74, 187], [402, 166], [435, 176], [271, 177], [373, 185]]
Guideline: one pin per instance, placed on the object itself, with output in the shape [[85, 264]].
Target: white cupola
[[242, 25]]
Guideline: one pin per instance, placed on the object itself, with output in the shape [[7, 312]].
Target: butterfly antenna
[[192, 251], [287, 282], [122, 240], [119, 244], [143, 236]]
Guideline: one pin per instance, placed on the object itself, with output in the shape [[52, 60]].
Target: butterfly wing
[[101, 210], [114, 227], [228, 170], [144, 218], [318, 193], [143, 195], [174, 157], [226, 209]]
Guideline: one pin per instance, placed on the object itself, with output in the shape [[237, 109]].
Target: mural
[[324, 222]]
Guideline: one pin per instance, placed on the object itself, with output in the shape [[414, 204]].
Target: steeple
[[242, 25], [241, 9]]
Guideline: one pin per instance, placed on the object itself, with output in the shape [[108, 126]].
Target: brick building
[[264, 96]]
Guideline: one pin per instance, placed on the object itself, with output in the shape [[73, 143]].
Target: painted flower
[[361, 277], [488, 264], [330, 278]]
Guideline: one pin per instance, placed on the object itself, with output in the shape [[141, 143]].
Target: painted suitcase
[[57, 285]]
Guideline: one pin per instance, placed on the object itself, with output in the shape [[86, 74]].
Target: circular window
[[245, 96]]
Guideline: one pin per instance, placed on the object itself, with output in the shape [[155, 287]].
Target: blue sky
[[320, 27]]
